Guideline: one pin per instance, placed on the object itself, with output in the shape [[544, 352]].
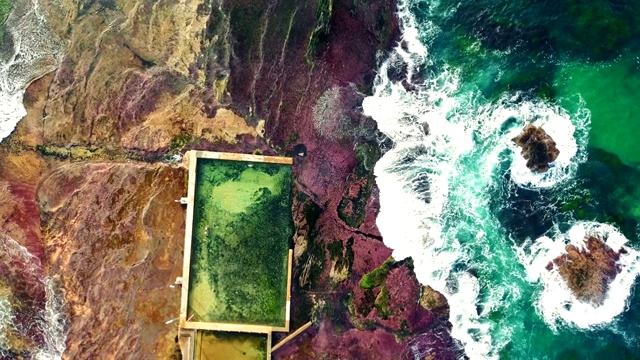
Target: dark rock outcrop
[[538, 148], [589, 271]]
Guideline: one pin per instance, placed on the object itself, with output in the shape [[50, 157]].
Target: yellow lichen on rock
[[339, 272], [22, 166], [184, 114], [432, 300], [225, 126], [7, 200]]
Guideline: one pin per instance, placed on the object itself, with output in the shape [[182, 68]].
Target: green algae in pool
[[241, 234]]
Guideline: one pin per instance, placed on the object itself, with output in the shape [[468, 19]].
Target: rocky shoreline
[[91, 177]]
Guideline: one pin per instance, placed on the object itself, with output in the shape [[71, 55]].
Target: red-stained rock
[[114, 235], [356, 344], [398, 310], [19, 176], [326, 341]]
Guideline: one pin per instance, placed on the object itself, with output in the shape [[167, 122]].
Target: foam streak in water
[[411, 225], [448, 147]]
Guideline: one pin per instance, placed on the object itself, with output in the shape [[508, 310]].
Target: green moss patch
[[241, 233], [320, 34], [5, 8], [376, 277], [382, 302]]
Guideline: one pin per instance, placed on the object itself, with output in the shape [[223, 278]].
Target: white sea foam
[[53, 322], [6, 319], [556, 302], [562, 128], [31, 52], [50, 321], [411, 226], [425, 180]]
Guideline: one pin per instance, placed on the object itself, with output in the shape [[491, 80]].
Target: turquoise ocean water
[[459, 199]]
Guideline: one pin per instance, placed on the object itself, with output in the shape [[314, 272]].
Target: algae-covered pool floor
[[241, 232], [230, 346]]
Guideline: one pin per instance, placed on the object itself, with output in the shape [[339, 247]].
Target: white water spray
[[417, 176], [556, 302], [51, 321], [29, 52]]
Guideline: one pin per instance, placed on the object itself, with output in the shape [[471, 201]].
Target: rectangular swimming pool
[[240, 238]]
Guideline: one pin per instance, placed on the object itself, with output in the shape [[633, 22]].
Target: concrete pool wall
[[193, 316]]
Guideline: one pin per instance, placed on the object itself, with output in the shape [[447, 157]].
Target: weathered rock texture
[[129, 78], [88, 188], [114, 234], [538, 148], [588, 271], [22, 287]]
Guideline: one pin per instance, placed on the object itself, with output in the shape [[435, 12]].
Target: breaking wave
[[28, 51], [33, 321], [556, 301], [452, 148]]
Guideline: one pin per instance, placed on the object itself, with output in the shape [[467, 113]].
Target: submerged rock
[[538, 148], [588, 271]]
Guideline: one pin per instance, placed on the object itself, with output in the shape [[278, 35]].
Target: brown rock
[[130, 79], [588, 272], [114, 235], [538, 148]]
